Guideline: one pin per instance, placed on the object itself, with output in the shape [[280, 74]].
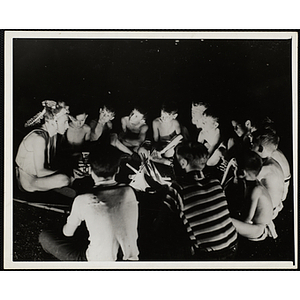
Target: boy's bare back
[[271, 176], [264, 209]]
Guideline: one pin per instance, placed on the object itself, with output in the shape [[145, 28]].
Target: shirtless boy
[[210, 133], [271, 175], [110, 212], [103, 125], [258, 208], [78, 132], [198, 108], [134, 129], [165, 128], [37, 151]]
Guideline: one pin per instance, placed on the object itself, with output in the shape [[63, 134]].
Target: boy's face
[[209, 123], [167, 117], [136, 116], [198, 120], [261, 150], [79, 121], [182, 162], [105, 115], [62, 124], [238, 128], [197, 113]]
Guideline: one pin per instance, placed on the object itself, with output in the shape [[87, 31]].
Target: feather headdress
[[36, 119], [52, 105]]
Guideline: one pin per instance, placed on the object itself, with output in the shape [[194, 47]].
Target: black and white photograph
[[152, 150]]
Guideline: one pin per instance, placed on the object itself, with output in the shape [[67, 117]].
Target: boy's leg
[[62, 247]]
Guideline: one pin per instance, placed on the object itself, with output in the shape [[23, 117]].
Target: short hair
[[250, 161], [141, 110], [105, 160], [242, 114], [78, 109], [213, 113], [109, 107], [194, 153], [200, 103], [170, 107], [266, 137]]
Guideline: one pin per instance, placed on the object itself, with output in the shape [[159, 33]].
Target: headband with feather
[[36, 119]]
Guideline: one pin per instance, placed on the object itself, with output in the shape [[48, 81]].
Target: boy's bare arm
[[177, 127], [155, 130], [68, 229], [73, 220], [124, 123], [87, 133], [142, 135]]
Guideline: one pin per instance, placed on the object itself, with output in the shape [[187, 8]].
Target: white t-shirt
[[111, 221]]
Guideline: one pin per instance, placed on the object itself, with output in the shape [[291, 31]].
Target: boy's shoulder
[[117, 188], [271, 166], [156, 121], [258, 190], [86, 128], [93, 123], [125, 119], [188, 180], [95, 194]]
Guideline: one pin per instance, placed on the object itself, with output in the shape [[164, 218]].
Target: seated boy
[[101, 127], [265, 142], [210, 133], [257, 210], [198, 108], [279, 156], [283, 162], [110, 212], [134, 129], [165, 128], [204, 207], [78, 132]]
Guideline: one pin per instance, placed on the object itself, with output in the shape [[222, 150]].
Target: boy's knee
[[64, 180], [44, 238]]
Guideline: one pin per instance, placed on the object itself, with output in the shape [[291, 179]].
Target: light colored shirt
[[111, 221]]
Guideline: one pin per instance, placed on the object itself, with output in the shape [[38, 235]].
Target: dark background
[[125, 72], [229, 73]]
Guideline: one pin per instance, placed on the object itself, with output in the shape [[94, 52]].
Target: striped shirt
[[204, 211]]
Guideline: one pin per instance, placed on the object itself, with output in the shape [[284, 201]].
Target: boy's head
[[210, 120], [106, 114], [198, 108], [137, 115], [78, 116], [105, 161], [249, 164], [54, 116], [193, 155], [169, 112], [238, 127], [265, 142], [245, 119]]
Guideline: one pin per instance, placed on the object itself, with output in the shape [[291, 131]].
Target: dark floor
[[161, 236]]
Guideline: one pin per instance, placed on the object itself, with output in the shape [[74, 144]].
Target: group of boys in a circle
[[210, 163]]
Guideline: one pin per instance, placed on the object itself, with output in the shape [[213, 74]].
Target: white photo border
[[8, 142]]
